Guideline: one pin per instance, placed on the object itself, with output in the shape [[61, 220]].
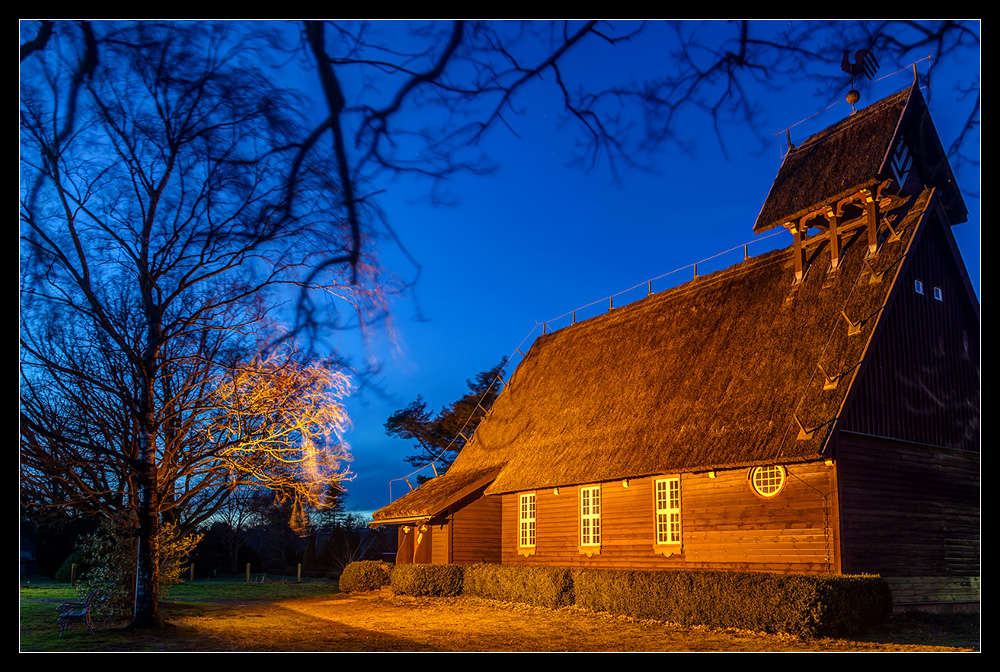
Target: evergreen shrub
[[109, 555], [364, 575], [427, 580], [539, 586]]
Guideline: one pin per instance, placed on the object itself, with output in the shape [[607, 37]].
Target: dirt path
[[383, 622]]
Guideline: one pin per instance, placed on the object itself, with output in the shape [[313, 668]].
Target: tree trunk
[[147, 572]]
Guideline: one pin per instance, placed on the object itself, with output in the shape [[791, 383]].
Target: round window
[[767, 481]]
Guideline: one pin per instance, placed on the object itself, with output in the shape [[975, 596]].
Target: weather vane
[[865, 64]]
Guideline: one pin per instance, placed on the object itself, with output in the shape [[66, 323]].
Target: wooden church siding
[[724, 525], [922, 383], [910, 513], [475, 532], [728, 526], [440, 535], [555, 529]]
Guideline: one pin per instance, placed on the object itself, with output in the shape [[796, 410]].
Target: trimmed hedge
[[539, 586], [365, 575], [788, 603], [434, 580], [796, 604]]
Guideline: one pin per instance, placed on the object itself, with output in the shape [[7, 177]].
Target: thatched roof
[[436, 495], [855, 154], [710, 374]]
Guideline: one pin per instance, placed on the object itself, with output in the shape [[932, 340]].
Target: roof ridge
[[691, 285], [852, 119]]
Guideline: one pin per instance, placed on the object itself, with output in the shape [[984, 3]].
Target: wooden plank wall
[[724, 525], [440, 536], [469, 532], [910, 513], [921, 382], [476, 532]]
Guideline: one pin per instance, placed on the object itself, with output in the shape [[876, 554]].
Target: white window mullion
[[590, 516], [668, 510], [526, 536]]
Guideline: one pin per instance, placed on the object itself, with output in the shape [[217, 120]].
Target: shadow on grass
[[219, 623]]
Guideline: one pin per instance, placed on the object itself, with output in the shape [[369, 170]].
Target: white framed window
[[526, 521], [767, 481], [939, 294], [667, 500], [918, 286], [590, 516]]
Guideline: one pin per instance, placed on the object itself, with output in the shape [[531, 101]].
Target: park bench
[[76, 611]]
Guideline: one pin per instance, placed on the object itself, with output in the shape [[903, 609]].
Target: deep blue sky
[[539, 238]]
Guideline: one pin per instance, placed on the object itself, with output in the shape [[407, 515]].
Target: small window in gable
[[767, 481], [918, 286], [938, 294]]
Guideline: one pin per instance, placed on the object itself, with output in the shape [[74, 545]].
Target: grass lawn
[[313, 616]]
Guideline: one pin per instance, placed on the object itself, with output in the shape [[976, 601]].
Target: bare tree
[[235, 516], [157, 231], [476, 75]]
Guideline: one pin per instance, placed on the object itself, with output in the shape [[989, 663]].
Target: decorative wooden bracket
[[871, 214], [666, 551], [798, 232], [894, 235], [853, 328], [828, 382], [833, 225], [876, 276], [804, 433], [882, 187]]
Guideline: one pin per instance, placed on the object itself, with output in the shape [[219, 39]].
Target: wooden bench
[[76, 611]]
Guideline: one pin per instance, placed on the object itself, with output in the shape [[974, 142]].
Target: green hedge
[[434, 580], [788, 603], [539, 586], [365, 575]]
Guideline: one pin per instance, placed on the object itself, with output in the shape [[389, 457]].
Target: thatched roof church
[[814, 409]]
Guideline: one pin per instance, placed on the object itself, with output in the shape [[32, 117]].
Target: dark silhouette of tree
[[439, 438], [331, 507], [477, 73], [241, 510]]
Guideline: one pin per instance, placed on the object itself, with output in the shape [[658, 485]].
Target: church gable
[[891, 143], [921, 378]]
